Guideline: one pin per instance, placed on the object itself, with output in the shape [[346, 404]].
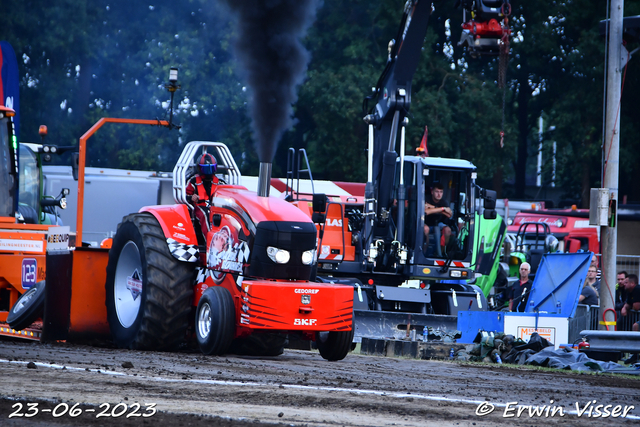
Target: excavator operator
[[201, 188], [437, 211]]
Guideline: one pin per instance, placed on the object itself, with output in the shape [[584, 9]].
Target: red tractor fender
[[177, 227]]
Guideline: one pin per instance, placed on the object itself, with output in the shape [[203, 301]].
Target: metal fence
[[628, 263], [625, 323], [589, 317]]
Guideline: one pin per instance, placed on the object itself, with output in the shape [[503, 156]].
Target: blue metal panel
[[559, 279], [470, 322]]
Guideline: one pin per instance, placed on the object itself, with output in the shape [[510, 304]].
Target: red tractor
[[244, 286]]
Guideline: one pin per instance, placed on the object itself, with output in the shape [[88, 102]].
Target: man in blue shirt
[[589, 294]]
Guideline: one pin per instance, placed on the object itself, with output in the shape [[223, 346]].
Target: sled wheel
[[334, 345], [148, 291], [215, 321], [267, 344], [28, 308]]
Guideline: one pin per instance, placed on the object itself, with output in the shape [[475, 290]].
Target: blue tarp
[[558, 283], [559, 279]]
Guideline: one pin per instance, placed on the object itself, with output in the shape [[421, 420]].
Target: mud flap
[[57, 304]]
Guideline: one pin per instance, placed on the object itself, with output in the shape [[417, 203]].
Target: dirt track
[[297, 388]]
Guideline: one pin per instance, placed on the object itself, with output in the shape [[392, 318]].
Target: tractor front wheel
[[148, 291], [334, 345], [215, 321]]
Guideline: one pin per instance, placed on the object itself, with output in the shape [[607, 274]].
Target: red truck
[[570, 226]]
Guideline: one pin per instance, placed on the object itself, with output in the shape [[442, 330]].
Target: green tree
[[81, 60]]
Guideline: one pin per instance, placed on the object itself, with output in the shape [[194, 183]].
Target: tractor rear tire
[[148, 291], [28, 308], [257, 344], [215, 321], [335, 345]]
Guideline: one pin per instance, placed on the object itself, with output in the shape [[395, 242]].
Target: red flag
[[422, 149]]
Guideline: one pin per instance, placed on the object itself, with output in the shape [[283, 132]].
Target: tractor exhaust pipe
[[264, 179]]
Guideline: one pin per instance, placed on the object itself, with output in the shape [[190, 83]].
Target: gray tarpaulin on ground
[[539, 352], [574, 360]]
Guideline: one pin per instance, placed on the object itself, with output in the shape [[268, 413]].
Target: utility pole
[[611, 146], [539, 169]]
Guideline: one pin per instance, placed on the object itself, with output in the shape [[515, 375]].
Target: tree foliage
[[84, 60]]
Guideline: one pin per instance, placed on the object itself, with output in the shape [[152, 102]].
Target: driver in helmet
[[201, 188]]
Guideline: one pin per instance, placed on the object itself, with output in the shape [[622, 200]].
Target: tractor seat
[[28, 213], [536, 257]]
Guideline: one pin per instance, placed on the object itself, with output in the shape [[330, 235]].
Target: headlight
[[279, 256], [308, 257]]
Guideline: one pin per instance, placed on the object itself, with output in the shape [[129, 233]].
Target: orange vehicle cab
[[22, 246]]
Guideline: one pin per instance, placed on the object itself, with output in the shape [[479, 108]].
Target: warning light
[[370, 281]]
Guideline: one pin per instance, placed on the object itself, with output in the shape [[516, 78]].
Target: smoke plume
[[274, 61]]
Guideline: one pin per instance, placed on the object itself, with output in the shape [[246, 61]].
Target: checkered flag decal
[[243, 253], [202, 274], [182, 251]]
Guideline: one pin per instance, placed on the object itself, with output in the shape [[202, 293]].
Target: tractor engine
[[283, 250]]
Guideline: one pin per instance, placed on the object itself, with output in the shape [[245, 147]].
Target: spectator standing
[[621, 293], [633, 298], [519, 294], [589, 295], [592, 278], [594, 262]]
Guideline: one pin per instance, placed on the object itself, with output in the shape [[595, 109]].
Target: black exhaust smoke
[[274, 62]]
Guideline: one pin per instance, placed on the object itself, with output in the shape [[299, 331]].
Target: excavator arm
[[392, 96]]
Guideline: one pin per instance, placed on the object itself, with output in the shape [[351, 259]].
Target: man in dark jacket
[[633, 298], [519, 294]]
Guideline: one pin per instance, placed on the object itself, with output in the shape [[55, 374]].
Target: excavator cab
[[444, 238], [448, 237], [485, 29]]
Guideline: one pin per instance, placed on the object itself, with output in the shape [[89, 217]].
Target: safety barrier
[[625, 323], [589, 317]]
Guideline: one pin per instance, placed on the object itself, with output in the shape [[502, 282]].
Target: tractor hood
[[257, 208]]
